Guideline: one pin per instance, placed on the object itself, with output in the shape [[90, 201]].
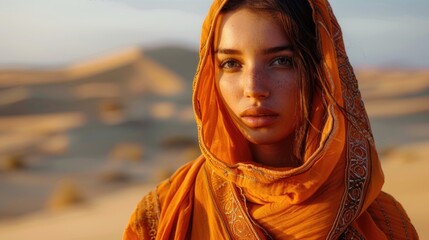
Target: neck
[[275, 155]]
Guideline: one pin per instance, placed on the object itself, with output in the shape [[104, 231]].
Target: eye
[[230, 65], [283, 61]]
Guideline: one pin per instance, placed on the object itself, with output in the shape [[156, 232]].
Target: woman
[[287, 148]]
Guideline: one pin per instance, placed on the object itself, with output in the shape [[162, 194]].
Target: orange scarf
[[336, 193]]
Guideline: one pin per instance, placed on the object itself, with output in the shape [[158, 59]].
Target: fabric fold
[[335, 193]]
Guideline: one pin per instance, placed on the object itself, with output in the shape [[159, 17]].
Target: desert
[[80, 145]]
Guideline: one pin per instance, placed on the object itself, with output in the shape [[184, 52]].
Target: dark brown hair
[[296, 18]]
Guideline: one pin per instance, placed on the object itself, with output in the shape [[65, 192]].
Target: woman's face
[[256, 77]]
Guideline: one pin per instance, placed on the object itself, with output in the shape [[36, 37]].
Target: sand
[[103, 218], [406, 171], [387, 94]]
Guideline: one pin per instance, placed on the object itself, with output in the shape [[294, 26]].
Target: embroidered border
[[231, 208], [149, 215], [359, 139], [351, 234]]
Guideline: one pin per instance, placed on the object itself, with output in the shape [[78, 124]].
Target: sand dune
[[397, 107], [17, 142], [387, 93], [43, 123], [376, 83], [103, 218], [139, 72], [97, 90], [12, 78], [13, 95], [158, 80], [21, 134], [406, 170], [102, 64], [394, 92]]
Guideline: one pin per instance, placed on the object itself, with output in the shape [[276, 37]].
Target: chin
[[265, 139], [267, 136]]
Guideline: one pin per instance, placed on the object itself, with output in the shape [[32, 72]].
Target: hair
[[296, 18]]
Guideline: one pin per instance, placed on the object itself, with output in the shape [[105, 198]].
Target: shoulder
[[391, 218], [144, 220]]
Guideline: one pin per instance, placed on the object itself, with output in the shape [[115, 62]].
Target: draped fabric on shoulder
[[335, 194]]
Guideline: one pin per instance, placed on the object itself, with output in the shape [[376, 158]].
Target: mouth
[[258, 117]]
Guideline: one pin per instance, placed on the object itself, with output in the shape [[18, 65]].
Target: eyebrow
[[227, 51], [265, 51], [278, 49]]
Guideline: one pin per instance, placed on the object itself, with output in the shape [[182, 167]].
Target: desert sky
[[57, 32]]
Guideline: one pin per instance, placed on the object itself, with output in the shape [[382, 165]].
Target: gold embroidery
[[351, 234], [148, 215], [359, 139], [231, 208]]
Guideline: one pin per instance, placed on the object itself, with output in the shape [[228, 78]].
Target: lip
[[258, 117]]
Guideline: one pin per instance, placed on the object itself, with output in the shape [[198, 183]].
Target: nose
[[255, 84]]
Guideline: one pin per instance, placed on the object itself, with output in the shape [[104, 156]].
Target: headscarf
[[225, 195]]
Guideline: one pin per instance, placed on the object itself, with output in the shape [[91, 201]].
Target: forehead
[[244, 27]]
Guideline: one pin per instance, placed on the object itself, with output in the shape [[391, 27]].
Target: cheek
[[295, 99], [289, 98], [286, 80], [288, 88], [229, 92]]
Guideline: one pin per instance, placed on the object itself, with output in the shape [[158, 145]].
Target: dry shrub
[[111, 106], [12, 162], [178, 142], [127, 152], [65, 194], [111, 111], [114, 176]]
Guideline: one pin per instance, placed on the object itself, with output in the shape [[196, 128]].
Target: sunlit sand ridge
[[387, 94]]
